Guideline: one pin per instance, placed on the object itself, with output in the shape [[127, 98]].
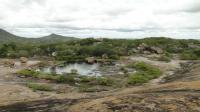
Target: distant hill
[[6, 37]]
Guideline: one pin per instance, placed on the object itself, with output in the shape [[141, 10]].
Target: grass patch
[[35, 74], [68, 78], [39, 87], [28, 73], [188, 56], [86, 83], [145, 72], [164, 58], [104, 81]]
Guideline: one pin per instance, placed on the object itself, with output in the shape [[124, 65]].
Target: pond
[[82, 69]]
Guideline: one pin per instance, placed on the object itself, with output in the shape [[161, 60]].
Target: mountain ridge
[[7, 37]]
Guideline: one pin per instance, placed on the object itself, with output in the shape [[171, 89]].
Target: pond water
[[82, 69]]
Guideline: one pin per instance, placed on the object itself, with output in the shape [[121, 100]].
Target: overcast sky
[[102, 18]]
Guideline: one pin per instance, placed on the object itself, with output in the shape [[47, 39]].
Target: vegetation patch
[[164, 58], [188, 55], [145, 72], [39, 87], [28, 73], [35, 74], [84, 82]]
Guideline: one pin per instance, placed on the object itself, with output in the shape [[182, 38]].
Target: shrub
[[114, 57], [145, 72], [96, 80], [34, 74], [71, 58], [188, 56], [47, 76], [28, 73], [86, 79], [137, 78], [104, 81], [141, 66], [68, 78]]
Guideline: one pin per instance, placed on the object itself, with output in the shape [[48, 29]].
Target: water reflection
[[82, 69]]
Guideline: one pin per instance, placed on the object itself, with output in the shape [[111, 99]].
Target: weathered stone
[[105, 56], [9, 63], [146, 52], [90, 60], [157, 50], [23, 59], [144, 48]]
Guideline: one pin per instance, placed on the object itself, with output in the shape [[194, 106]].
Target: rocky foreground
[[178, 92]]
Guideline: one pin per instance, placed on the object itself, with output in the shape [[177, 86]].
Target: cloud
[[113, 18]]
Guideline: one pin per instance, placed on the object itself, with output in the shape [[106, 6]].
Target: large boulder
[[90, 60], [9, 63], [157, 50], [146, 49], [142, 47], [104, 56], [23, 59]]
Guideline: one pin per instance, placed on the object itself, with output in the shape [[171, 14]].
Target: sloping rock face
[[14, 93], [47, 105], [176, 97], [189, 71]]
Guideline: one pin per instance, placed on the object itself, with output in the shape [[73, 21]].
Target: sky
[[102, 18]]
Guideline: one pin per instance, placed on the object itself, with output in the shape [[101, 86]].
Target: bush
[[47, 76], [86, 79], [145, 72], [137, 78], [68, 78], [39, 87], [104, 81], [188, 56], [71, 59], [34, 74], [28, 73], [114, 57], [96, 80]]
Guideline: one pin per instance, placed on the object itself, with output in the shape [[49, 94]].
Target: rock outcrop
[[146, 49], [9, 63], [23, 59], [90, 60]]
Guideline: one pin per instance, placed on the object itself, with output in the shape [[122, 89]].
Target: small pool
[[82, 69]]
